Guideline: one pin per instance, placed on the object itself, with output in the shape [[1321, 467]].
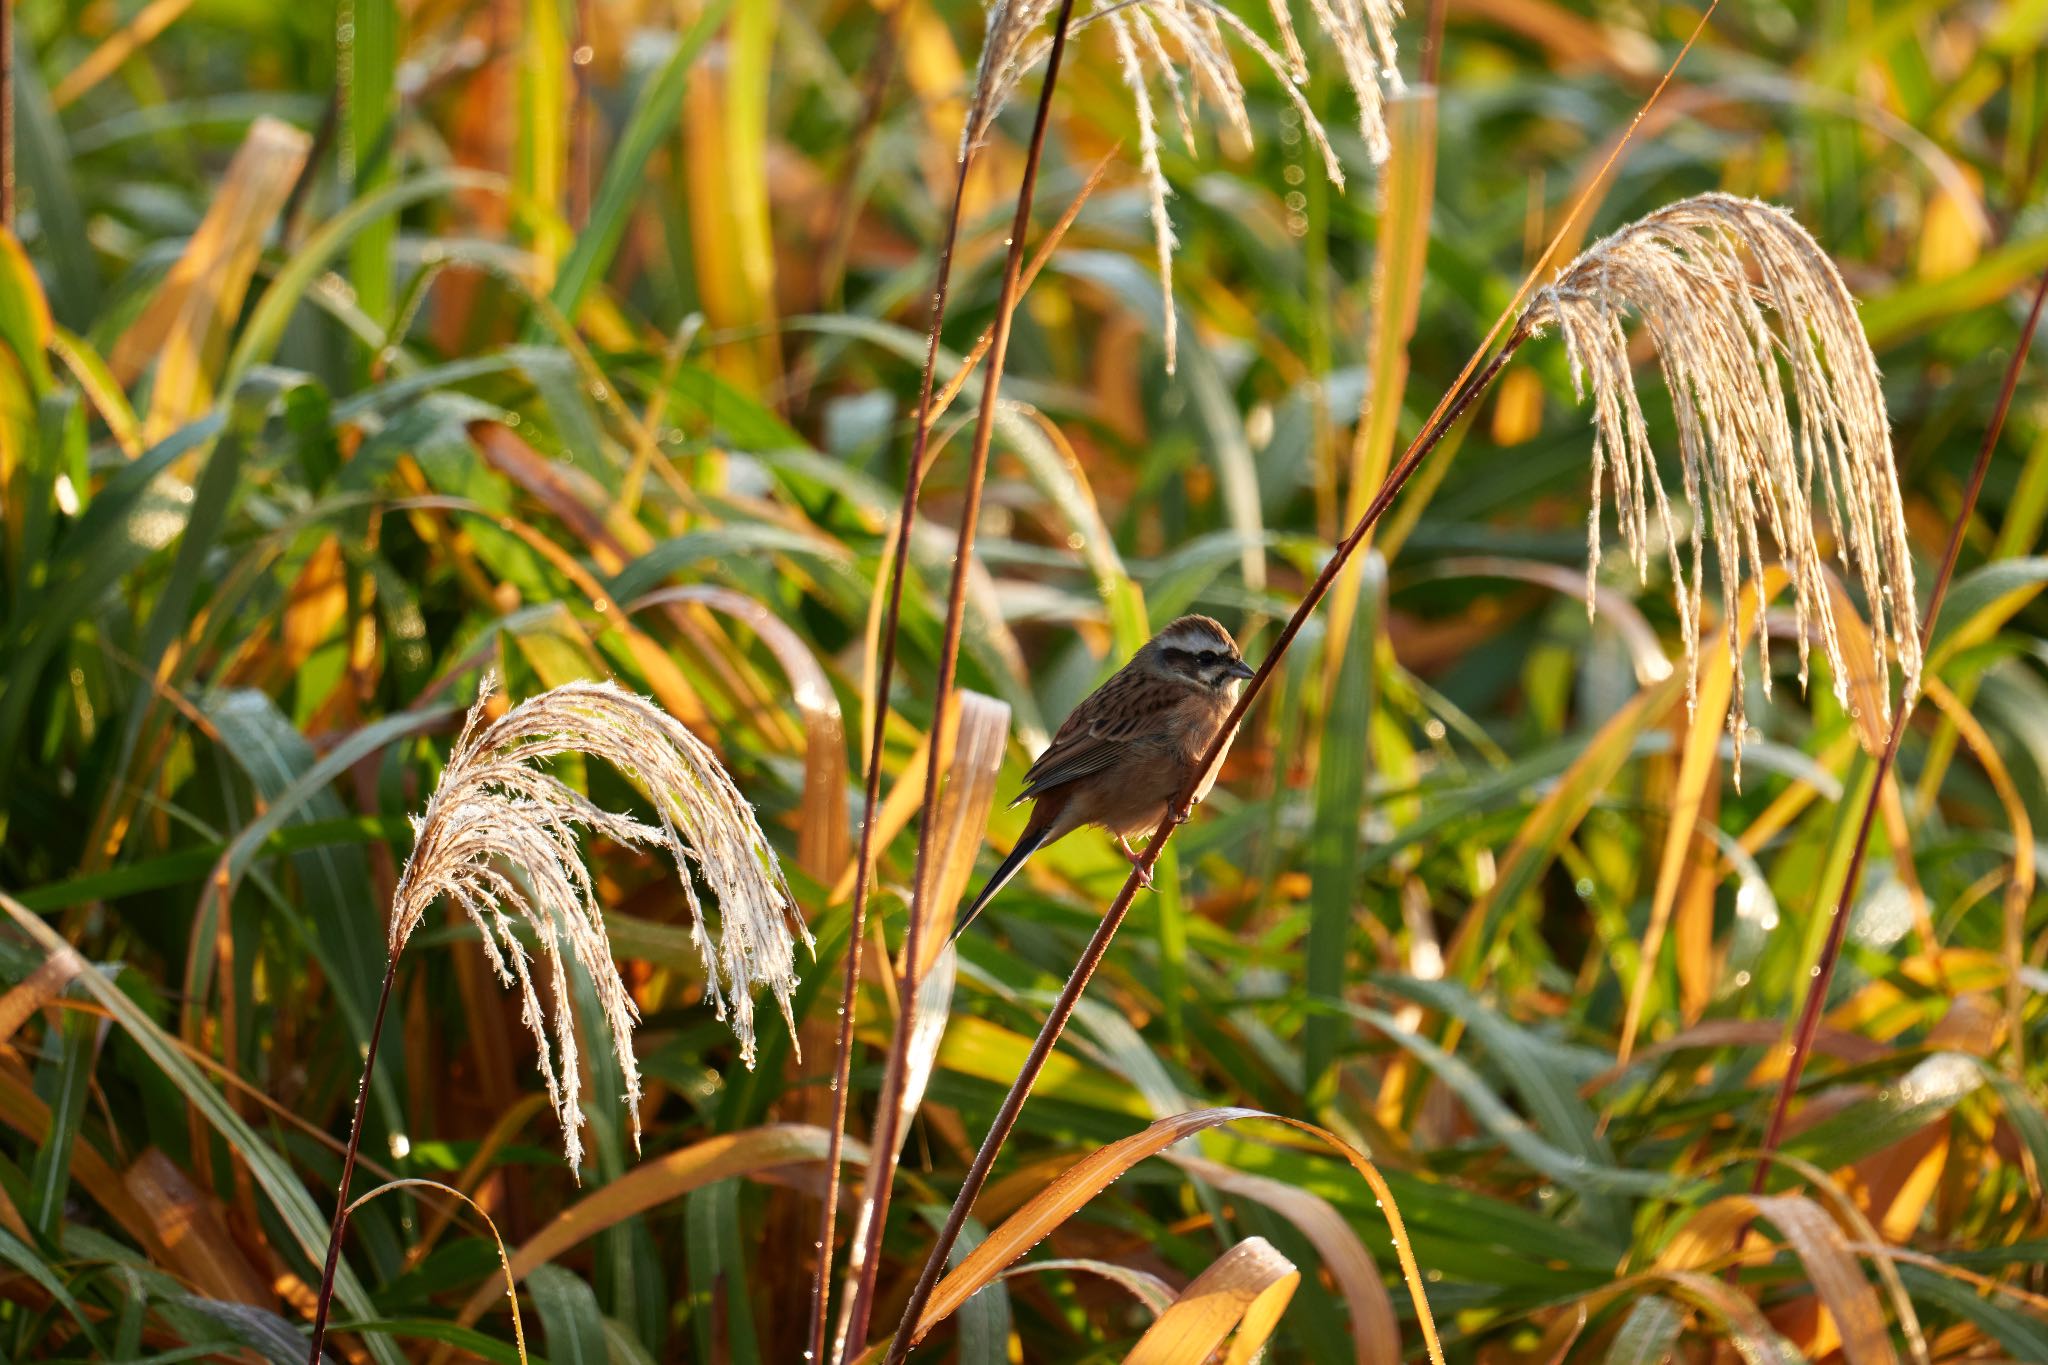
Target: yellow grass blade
[[1407, 191], [1698, 771], [725, 139], [152, 19], [897, 808], [2019, 887], [1697, 767], [98, 383], [25, 332], [541, 153], [1854, 1321], [184, 330], [504, 1261], [1374, 1333], [1245, 1289]]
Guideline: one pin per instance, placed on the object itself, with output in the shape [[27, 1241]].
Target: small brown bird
[[1129, 750]]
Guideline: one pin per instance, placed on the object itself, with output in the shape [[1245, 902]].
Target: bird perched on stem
[[1128, 752]]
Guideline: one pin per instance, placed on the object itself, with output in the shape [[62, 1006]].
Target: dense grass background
[[344, 356]]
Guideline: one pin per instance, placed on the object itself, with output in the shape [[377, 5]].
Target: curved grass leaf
[[287, 1196]]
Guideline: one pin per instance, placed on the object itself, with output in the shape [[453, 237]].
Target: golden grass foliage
[[291, 452]]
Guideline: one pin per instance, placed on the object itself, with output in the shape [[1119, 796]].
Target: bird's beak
[[1240, 669]]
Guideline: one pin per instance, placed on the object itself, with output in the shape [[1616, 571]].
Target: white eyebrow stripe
[[1194, 639]]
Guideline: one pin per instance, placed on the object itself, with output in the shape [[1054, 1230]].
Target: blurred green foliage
[[344, 355]]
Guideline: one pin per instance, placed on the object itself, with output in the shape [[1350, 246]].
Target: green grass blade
[[300, 1218]]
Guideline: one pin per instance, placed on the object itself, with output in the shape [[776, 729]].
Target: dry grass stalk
[[1155, 38], [1472, 382], [499, 838], [895, 1070], [1823, 975], [1729, 290]]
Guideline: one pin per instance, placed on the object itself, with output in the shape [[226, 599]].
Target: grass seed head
[[1155, 39], [1735, 296], [499, 837]]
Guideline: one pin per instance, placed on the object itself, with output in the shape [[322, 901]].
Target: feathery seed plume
[[499, 838], [1148, 33], [1729, 290]]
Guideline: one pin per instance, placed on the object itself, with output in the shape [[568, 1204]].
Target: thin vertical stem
[[871, 793], [7, 114], [1454, 407], [1433, 42], [886, 1138], [581, 120], [348, 1168], [1831, 949], [932, 404]]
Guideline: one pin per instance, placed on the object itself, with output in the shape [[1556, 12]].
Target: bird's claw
[[1137, 862], [1183, 813]]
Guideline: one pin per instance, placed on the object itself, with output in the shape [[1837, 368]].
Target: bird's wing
[[1126, 712]]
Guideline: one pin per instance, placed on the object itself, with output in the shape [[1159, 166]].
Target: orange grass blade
[[193, 1229], [1071, 1191], [754, 1152]]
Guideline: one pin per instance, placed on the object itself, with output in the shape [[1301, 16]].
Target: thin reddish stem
[[1446, 417], [348, 1166], [886, 1138], [931, 406], [1831, 951], [7, 115], [871, 794]]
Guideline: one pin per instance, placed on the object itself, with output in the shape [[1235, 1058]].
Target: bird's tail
[[1033, 840]]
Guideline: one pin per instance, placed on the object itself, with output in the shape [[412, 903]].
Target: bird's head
[[1198, 651]]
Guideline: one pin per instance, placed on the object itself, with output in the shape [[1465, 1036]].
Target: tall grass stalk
[[348, 1168], [871, 790], [1831, 949], [885, 1139], [930, 407]]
